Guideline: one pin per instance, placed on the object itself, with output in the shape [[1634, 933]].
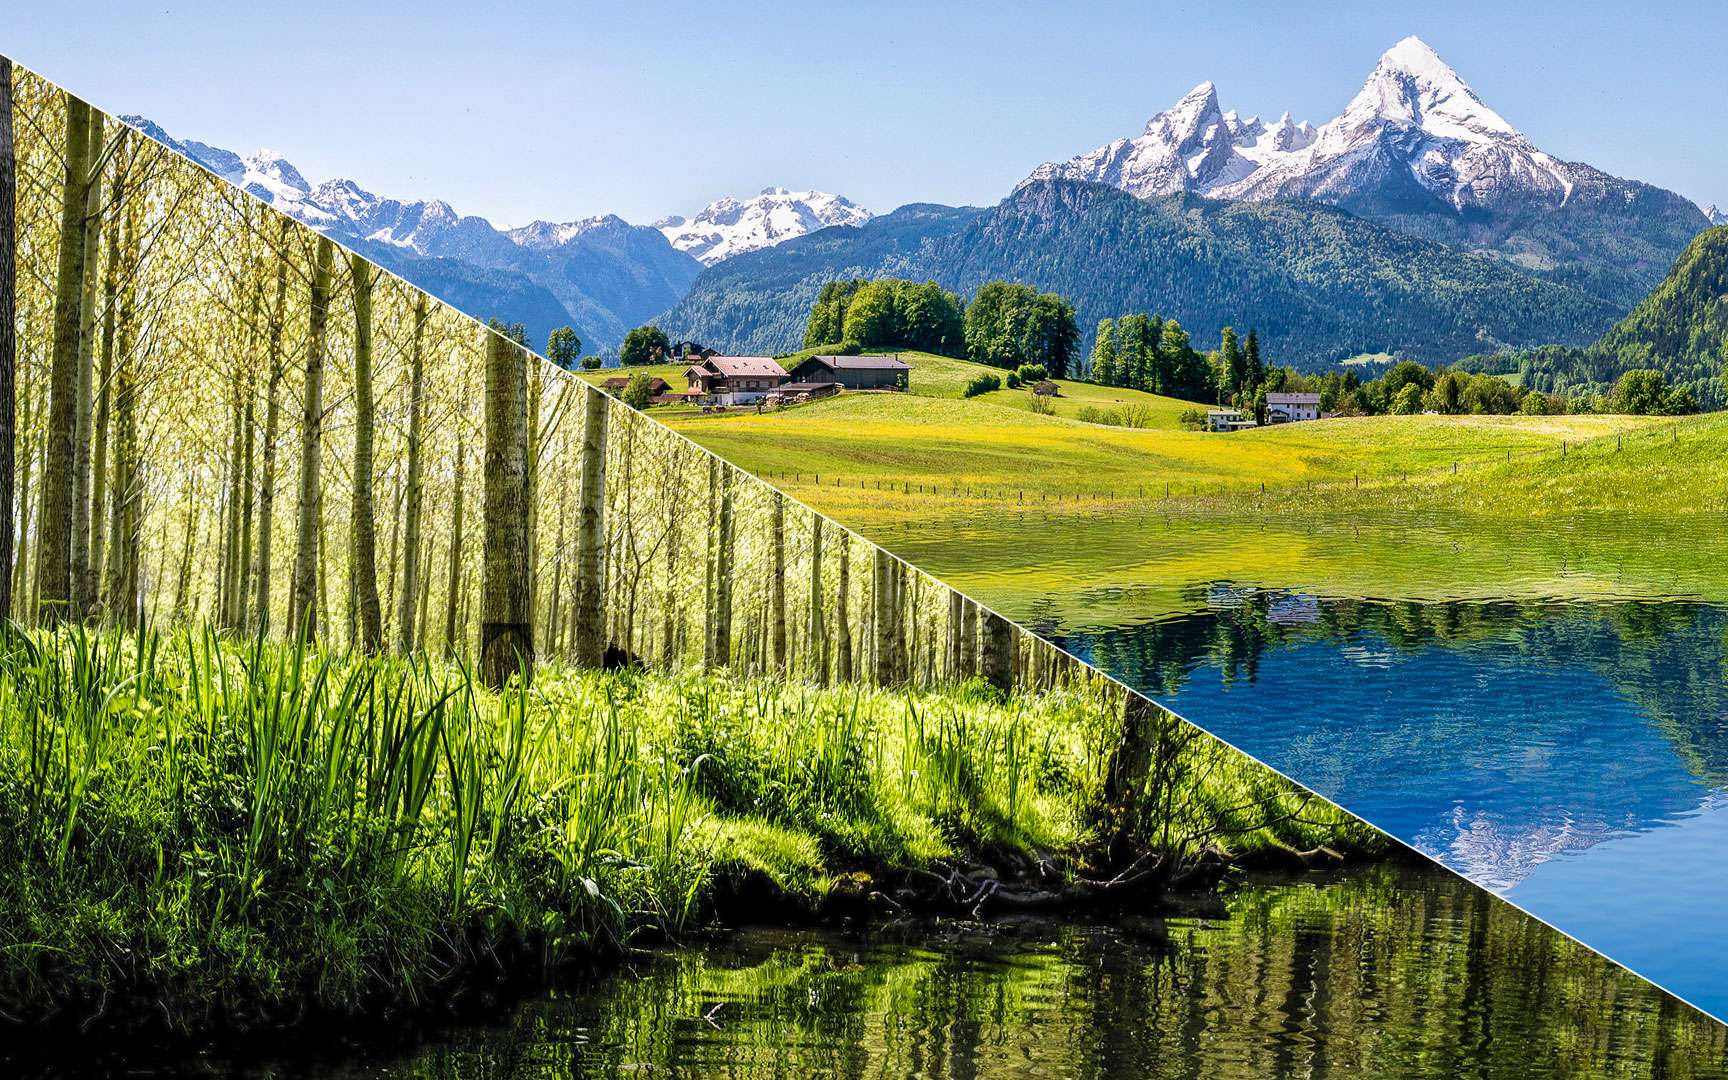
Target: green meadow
[[1099, 522]]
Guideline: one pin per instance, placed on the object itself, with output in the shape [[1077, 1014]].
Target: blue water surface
[[1571, 756]]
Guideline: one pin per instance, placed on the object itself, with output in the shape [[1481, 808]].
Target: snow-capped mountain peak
[[732, 226], [1412, 86], [1716, 215], [272, 172], [1415, 126]]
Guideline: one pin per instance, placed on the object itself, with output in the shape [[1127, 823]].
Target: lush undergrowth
[[202, 829]]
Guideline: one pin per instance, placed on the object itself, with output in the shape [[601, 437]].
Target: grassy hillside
[[946, 377]]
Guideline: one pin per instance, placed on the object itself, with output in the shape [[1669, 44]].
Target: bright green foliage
[[644, 345], [982, 384], [1009, 324], [1679, 331], [887, 312], [1103, 368], [638, 391], [225, 828], [564, 348]]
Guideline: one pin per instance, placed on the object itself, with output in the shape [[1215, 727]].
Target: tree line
[[1408, 387]]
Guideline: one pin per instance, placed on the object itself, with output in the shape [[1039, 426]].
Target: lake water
[[1557, 729], [1393, 972]]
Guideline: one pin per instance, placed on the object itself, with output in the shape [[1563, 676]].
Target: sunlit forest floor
[[209, 828]]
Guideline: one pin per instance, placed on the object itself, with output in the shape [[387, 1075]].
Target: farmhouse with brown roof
[[856, 372], [735, 380]]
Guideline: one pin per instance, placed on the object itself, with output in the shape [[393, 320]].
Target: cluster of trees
[[1006, 325], [886, 312], [1151, 353], [1009, 324], [644, 345]]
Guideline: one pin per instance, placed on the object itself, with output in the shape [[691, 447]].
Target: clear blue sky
[[565, 110]]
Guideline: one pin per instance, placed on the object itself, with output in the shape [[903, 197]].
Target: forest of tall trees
[[223, 418]]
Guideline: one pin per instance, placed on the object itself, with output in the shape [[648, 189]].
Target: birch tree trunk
[[363, 520], [303, 608], [54, 525], [506, 620], [406, 622], [590, 612]]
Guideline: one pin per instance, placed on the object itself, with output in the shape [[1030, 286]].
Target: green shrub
[[982, 384]]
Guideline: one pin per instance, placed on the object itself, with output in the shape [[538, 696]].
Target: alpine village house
[[753, 380]]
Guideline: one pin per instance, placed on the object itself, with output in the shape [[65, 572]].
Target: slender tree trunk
[[843, 615], [956, 631], [969, 640], [8, 336], [104, 414], [364, 572], [79, 566], [230, 554], [454, 582], [126, 526], [303, 608], [884, 617], [272, 422], [777, 577], [996, 663], [506, 619], [713, 534], [405, 619], [591, 533], [723, 572], [815, 643], [54, 526], [240, 591]]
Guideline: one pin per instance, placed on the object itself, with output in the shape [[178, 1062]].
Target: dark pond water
[[1387, 972]]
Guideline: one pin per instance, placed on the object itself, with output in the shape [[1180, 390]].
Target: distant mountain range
[[601, 274], [1317, 283], [1415, 149], [733, 226], [1418, 221]]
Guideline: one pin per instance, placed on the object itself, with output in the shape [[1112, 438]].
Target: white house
[[1228, 420], [1284, 408]]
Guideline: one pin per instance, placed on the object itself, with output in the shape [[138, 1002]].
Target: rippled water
[[1389, 972], [1543, 708]]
